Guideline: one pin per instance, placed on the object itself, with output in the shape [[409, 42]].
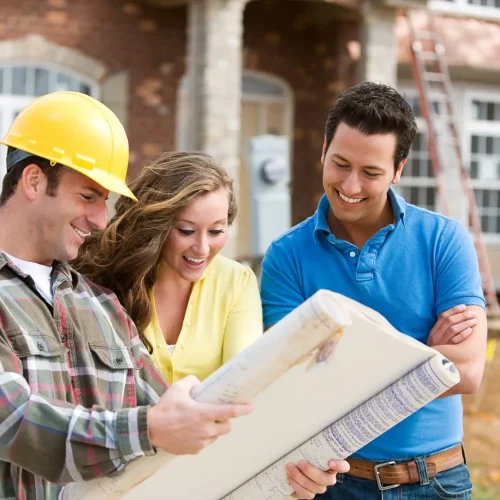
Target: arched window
[[267, 102], [21, 83], [266, 108]]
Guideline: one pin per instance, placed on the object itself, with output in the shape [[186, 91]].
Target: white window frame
[[468, 127], [286, 99], [53, 69], [464, 9], [473, 127], [10, 103], [182, 125], [410, 181]]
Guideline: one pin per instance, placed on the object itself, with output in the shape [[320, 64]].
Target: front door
[[266, 108]]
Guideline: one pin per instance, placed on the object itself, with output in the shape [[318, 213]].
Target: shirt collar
[[64, 268], [209, 271], [5, 261], [321, 216], [61, 266], [398, 206]]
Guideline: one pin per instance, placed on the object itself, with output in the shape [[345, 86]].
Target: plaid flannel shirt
[[75, 384]]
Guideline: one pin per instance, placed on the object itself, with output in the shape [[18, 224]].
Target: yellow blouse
[[223, 316]]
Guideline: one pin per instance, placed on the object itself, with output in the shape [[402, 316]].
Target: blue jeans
[[450, 484]]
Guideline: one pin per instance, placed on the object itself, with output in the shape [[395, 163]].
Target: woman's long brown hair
[[125, 256]]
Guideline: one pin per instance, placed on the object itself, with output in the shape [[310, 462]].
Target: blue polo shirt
[[410, 272]]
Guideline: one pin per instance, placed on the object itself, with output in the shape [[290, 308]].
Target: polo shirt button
[[63, 338], [119, 360], [352, 254], [41, 346]]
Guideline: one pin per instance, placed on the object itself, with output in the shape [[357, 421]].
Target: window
[[495, 4], [266, 108], [35, 81], [265, 96], [20, 84], [481, 151], [487, 9], [418, 185], [482, 154]]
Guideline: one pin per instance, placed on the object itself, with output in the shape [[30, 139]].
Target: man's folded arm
[[468, 356]]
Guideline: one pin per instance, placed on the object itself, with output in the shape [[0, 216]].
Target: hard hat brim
[[77, 131], [104, 179]]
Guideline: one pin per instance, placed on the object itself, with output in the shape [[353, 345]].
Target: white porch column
[[378, 62], [215, 45]]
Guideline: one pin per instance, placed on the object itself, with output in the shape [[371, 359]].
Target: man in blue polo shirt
[[417, 268]]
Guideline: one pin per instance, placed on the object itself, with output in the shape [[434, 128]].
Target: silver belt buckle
[[381, 487]]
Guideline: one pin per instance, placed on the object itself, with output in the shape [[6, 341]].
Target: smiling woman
[[194, 308]]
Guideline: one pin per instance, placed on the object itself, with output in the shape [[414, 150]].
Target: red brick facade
[[150, 43], [307, 50], [312, 55]]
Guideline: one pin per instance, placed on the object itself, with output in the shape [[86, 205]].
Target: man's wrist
[[132, 433]]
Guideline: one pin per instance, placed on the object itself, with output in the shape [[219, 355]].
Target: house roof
[[468, 42]]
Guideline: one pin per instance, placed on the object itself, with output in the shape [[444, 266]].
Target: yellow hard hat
[[77, 131]]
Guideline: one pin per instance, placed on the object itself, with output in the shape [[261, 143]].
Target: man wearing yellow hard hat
[[79, 394]]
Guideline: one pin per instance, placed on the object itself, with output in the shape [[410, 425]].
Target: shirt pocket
[[27, 344], [111, 380], [43, 362], [114, 357]]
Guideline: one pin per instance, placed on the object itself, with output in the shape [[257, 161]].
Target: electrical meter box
[[269, 176]]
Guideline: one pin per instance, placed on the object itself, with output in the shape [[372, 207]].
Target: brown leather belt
[[390, 475]]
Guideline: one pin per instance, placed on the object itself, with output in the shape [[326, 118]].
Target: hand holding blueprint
[[308, 379]]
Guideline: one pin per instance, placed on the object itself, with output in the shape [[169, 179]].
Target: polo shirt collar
[[321, 216], [398, 206]]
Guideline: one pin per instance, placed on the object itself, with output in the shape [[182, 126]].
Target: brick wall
[[150, 43], [308, 46]]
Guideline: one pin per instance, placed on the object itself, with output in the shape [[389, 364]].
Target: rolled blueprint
[[310, 332], [357, 428]]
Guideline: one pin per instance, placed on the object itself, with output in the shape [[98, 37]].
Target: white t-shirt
[[42, 276]]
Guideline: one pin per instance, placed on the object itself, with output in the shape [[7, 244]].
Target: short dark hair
[[374, 108], [13, 175]]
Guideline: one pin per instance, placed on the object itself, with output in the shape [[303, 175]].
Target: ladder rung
[[448, 145], [443, 114], [428, 35], [441, 97], [427, 46], [449, 139], [439, 48], [428, 55], [442, 120], [431, 76]]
